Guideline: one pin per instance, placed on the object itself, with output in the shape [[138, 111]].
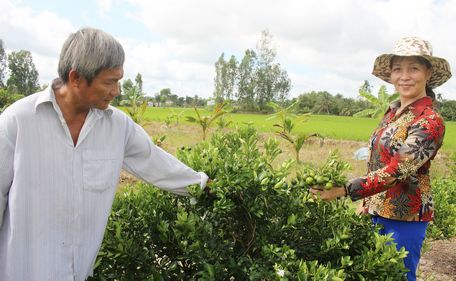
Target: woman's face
[[409, 77]]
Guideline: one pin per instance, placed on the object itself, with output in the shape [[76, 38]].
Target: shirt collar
[[417, 107], [98, 112], [48, 95]]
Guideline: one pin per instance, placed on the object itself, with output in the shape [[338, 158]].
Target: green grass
[[334, 127]]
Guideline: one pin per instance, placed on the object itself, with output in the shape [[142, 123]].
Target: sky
[[324, 45]]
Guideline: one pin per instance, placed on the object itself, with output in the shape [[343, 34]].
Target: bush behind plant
[[254, 224], [444, 224]]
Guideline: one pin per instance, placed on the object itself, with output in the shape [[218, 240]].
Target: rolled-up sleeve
[[6, 166], [154, 165]]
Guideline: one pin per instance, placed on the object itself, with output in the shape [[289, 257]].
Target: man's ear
[[74, 78]]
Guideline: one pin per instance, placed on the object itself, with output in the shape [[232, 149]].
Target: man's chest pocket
[[100, 170]]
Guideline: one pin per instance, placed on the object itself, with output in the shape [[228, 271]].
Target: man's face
[[103, 89]]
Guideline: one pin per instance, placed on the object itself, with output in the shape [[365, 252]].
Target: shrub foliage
[[444, 224], [258, 222]]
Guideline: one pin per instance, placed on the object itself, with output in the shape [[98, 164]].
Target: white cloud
[[40, 32], [167, 65], [104, 7], [324, 44], [338, 39]]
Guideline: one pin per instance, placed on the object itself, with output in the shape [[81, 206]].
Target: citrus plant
[[256, 223]]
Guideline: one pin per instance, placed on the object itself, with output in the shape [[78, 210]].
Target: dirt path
[[438, 263]]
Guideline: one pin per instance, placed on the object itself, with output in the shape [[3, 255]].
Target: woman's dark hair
[[429, 92]]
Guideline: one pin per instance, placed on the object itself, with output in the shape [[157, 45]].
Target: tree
[[139, 81], [127, 85], [6, 98], [282, 86], [2, 64], [180, 102], [189, 101], [247, 81], [379, 104], [272, 81], [255, 80], [225, 78], [447, 109], [23, 74], [324, 103], [366, 87], [220, 79], [124, 88], [231, 77], [164, 95]]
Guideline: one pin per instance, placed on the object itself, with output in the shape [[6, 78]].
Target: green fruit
[[309, 180], [328, 185], [320, 180]]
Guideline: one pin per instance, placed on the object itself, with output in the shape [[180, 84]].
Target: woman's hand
[[328, 195]]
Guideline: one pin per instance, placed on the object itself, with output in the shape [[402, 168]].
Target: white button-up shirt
[[55, 197]]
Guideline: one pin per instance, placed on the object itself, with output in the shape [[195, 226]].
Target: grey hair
[[89, 51]]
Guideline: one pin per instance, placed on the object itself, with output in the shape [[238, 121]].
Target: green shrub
[[7, 98], [444, 225], [257, 223]]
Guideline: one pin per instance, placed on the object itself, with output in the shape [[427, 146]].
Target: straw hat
[[413, 46]]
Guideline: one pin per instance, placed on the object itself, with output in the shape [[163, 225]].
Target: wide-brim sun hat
[[413, 46]]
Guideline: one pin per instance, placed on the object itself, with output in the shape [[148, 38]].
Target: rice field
[[332, 127]]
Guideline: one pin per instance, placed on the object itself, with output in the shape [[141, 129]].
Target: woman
[[396, 189]]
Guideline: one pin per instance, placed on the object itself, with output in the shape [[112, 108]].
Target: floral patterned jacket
[[397, 184]]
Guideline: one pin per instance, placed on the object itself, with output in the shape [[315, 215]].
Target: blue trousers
[[409, 235]]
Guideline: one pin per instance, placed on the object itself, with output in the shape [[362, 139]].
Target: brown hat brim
[[441, 71]]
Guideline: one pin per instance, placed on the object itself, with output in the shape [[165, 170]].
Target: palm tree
[[285, 112], [136, 104], [379, 104], [205, 121], [287, 123]]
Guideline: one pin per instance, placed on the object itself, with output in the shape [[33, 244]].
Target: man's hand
[[208, 191], [328, 195]]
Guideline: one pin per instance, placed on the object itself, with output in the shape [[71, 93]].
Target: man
[[61, 153]]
